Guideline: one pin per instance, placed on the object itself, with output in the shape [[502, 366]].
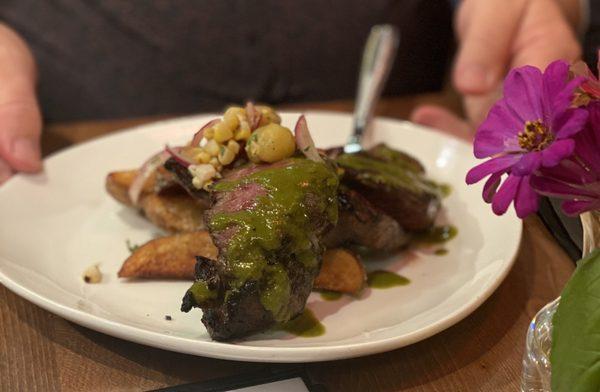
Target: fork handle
[[378, 57]]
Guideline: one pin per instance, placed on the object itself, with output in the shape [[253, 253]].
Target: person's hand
[[20, 119], [494, 36]]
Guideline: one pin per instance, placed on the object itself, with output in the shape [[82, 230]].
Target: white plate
[[56, 224]]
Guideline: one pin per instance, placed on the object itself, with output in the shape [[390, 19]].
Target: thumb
[[486, 32], [20, 127], [20, 119]]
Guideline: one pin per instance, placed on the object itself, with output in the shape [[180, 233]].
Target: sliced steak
[[394, 182], [360, 223], [267, 221]]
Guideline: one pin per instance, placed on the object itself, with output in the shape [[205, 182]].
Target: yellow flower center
[[535, 136]]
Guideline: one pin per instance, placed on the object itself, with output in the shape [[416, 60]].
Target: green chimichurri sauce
[[278, 222], [201, 292], [385, 280], [386, 173], [437, 234], [305, 325], [440, 252], [331, 295]]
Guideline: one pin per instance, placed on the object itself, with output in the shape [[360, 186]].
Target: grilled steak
[[394, 182], [360, 223], [271, 223], [267, 221]]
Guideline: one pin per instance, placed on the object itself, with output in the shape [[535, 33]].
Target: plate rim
[[233, 351]]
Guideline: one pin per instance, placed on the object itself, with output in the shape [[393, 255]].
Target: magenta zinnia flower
[[576, 179], [530, 127]]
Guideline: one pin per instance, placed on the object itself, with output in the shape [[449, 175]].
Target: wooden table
[[40, 351]]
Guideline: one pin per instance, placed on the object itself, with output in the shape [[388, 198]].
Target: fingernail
[[475, 78], [5, 171], [26, 150]]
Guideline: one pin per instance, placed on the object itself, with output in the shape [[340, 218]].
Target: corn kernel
[[231, 121], [209, 133], [212, 148], [214, 161], [202, 157], [235, 111], [243, 133], [191, 151], [268, 115], [201, 174], [233, 146], [197, 183], [92, 274], [253, 148], [223, 132], [207, 185], [226, 156]]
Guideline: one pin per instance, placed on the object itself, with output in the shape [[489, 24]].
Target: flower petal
[[505, 194], [488, 167], [576, 207], [558, 88], [488, 143], [594, 111], [528, 163], [491, 186], [549, 186], [498, 132], [526, 200], [564, 99], [569, 123], [587, 142], [522, 93], [569, 171], [554, 81], [555, 77], [557, 151]]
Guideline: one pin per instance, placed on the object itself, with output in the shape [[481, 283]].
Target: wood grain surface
[[43, 352]]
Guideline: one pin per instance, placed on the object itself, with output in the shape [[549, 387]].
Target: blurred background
[[110, 59]]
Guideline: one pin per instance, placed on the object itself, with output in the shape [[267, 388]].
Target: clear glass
[[536, 360]]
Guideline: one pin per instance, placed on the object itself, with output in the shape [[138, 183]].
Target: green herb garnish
[[132, 247]]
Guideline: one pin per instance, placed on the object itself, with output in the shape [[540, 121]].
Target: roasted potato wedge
[[177, 213], [118, 183], [173, 257], [341, 271], [169, 257]]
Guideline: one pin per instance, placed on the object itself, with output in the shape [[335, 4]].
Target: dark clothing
[[115, 58], [592, 38]]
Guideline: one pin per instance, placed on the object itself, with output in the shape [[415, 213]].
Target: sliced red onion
[[175, 152], [149, 167], [304, 141], [253, 115], [200, 134]]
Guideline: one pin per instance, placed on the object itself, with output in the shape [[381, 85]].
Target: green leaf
[[575, 355]]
